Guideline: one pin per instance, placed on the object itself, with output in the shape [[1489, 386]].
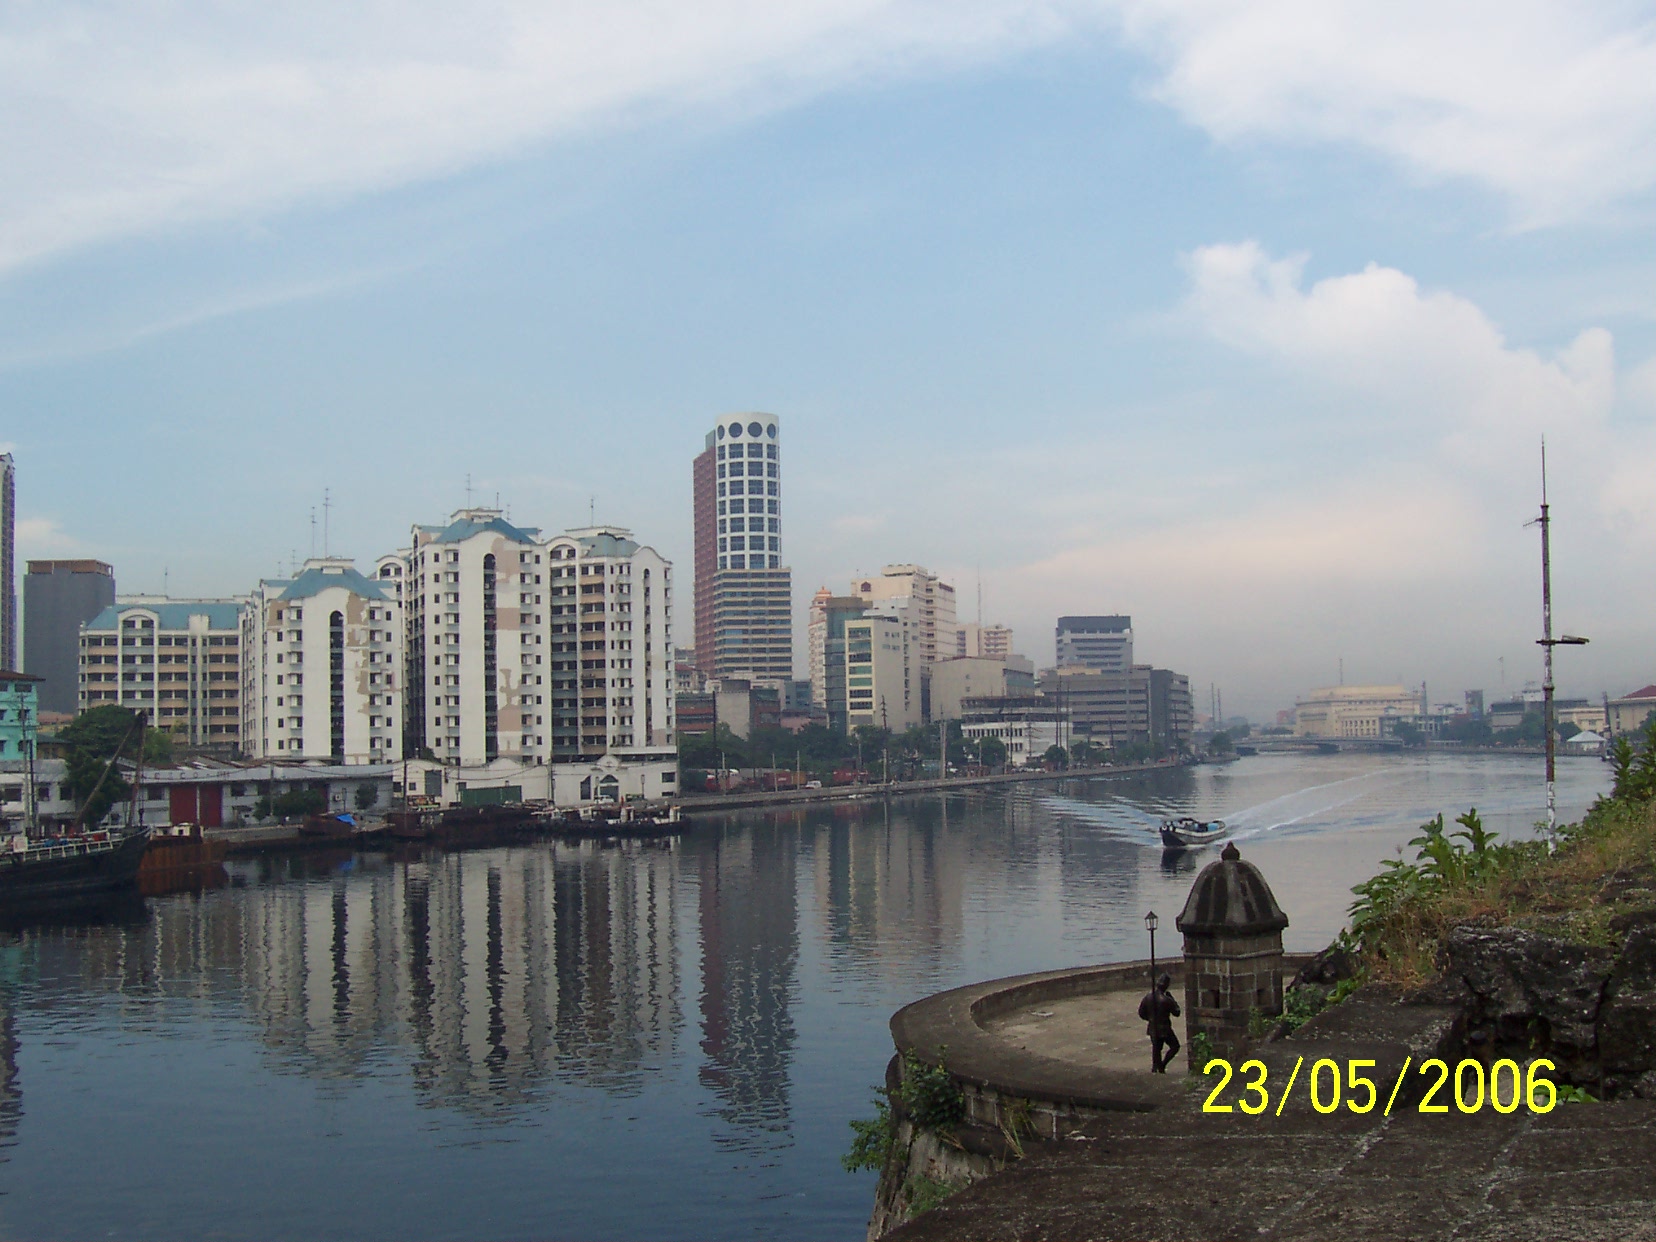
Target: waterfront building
[[473, 589], [1358, 711], [178, 660], [977, 677], [1101, 643], [825, 635], [8, 562], [1143, 705], [929, 604], [990, 642], [609, 679], [324, 669], [744, 591], [881, 677], [555, 650], [1632, 711], [1028, 725], [58, 598], [19, 717]]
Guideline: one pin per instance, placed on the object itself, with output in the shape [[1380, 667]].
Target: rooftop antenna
[[313, 530], [468, 489], [592, 510], [327, 513], [165, 574]]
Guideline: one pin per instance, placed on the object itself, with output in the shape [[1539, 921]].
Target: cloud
[[1415, 361], [43, 538], [1550, 105], [132, 120], [125, 120]]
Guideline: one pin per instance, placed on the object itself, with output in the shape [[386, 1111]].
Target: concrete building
[[1629, 713], [1027, 726], [1101, 643], [1143, 705], [991, 642], [178, 660], [8, 562], [19, 715], [929, 603], [554, 650], [473, 590], [58, 598], [324, 669], [744, 591], [881, 677], [825, 636], [976, 677], [611, 675], [1355, 711]]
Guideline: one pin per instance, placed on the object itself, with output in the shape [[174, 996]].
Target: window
[[721, 471], [737, 562]]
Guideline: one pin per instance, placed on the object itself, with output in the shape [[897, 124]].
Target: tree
[[1408, 734], [1567, 730], [91, 740], [991, 752], [366, 796], [1220, 743], [1056, 757]]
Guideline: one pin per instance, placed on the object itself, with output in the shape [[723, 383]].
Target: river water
[[577, 1041]]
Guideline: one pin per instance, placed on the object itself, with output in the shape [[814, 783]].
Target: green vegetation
[[366, 796], [929, 1098], [1604, 866], [89, 741], [924, 1193], [295, 803], [1220, 743]]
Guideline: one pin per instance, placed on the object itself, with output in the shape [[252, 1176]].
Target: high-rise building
[[1141, 705], [8, 562], [324, 668], [539, 650], [744, 593], [987, 642], [1101, 643], [825, 635], [178, 660], [881, 680], [929, 603], [58, 598]]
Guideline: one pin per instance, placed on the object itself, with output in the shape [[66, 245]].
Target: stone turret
[[1232, 929]]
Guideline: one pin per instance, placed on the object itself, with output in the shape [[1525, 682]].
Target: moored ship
[[61, 868]]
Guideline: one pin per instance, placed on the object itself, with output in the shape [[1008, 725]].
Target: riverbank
[[898, 789]]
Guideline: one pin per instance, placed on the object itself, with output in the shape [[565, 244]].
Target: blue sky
[[1244, 319]]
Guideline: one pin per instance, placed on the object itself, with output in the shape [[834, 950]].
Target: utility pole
[[1547, 643]]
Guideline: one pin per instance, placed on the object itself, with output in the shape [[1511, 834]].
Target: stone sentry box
[[1232, 929]]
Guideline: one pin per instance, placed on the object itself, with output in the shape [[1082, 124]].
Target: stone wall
[[1227, 978]]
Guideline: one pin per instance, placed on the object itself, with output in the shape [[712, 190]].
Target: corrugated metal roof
[[464, 528]]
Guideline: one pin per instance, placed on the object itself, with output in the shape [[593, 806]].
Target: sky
[[1247, 320]]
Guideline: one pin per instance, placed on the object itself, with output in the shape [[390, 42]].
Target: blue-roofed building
[[324, 669], [179, 660]]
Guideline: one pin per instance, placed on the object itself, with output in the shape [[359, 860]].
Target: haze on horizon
[[1246, 320]]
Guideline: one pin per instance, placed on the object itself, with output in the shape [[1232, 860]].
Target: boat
[[338, 826], [1185, 833], [59, 868], [181, 858]]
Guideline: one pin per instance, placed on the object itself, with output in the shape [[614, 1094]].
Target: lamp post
[[1150, 925]]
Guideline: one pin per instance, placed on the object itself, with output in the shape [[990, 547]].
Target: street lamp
[[1150, 925]]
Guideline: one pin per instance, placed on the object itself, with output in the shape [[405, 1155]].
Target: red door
[[182, 804], [210, 798]]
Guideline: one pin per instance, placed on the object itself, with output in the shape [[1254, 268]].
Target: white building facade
[[179, 661], [324, 669], [930, 606], [882, 683]]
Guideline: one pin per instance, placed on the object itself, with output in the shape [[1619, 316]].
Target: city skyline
[[1248, 334]]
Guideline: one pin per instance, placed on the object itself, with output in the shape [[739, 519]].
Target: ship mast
[[1547, 643]]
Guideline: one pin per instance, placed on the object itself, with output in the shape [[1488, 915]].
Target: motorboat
[[1187, 833]]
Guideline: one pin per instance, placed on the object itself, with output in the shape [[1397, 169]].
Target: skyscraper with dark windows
[[744, 594]]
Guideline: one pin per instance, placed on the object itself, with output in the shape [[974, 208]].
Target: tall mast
[[1547, 645]]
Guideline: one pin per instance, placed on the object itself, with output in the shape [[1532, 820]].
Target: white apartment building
[[324, 669], [609, 681], [882, 683], [930, 604], [987, 642], [475, 599], [536, 650], [179, 661]]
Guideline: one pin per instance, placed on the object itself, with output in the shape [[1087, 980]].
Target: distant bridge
[[1316, 745]]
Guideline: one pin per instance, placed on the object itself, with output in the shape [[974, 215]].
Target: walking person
[[1158, 1009]]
